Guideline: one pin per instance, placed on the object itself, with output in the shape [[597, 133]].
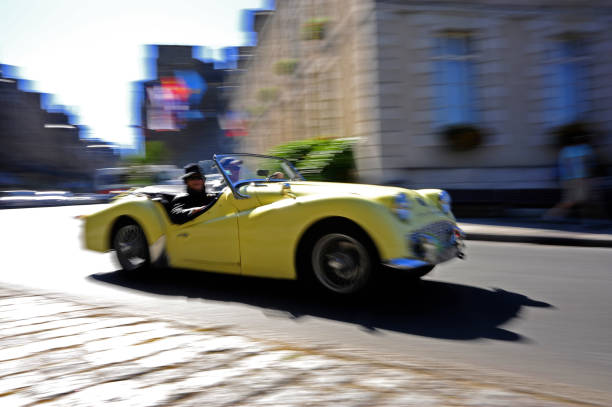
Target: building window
[[454, 82], [568, 101]]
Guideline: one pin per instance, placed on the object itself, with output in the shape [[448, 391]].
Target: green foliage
[[320, 159], [293, 151], [138, 174], [267, 94], [255, 111], [285, 66], [463, 137], [155, 153], [314, 29]]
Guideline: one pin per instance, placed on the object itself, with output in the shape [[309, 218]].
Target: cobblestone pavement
[[58, 352]]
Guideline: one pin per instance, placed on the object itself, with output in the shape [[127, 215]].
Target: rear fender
[[150, 215]]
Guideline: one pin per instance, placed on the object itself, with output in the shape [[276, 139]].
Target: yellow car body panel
[[149, 214], [259, 234], [270, 233], [208, 242]]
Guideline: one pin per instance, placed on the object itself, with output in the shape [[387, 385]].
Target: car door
[[210, 241], [266, 229]]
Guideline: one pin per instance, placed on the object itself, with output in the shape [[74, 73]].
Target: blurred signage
[[174, 101], [234, 124]]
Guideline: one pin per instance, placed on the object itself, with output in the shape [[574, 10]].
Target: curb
[[55, 204], [539, 239]]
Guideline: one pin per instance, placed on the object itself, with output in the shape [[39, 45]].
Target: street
[[539, 312]]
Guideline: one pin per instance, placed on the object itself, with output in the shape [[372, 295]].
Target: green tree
[[155, 153], [318, 159]]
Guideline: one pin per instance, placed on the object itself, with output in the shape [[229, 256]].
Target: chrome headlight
[[402, 206], [444, 199]]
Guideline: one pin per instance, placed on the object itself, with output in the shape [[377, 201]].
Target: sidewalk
[[593, 234], [57, 352]]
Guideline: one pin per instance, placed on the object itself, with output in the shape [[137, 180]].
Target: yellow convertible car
[[267, 221]]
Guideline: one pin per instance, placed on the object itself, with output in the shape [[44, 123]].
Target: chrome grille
[[441, 231]]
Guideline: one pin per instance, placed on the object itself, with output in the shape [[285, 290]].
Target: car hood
[[336, 188], [271, 192]]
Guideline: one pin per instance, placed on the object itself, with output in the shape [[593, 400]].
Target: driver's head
[[193, 178], [232, 168]]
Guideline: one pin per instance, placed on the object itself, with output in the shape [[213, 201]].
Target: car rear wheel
[[342, 262], [130, 244]]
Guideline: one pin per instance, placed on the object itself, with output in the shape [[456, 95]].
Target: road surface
[[541, 312]]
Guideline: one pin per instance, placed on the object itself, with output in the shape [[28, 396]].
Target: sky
[[88, 53]]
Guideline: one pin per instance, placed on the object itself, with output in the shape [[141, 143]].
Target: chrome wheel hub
[[341, 263], [131, 245]]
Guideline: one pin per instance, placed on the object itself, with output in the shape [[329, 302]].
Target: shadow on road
[[427, 308]]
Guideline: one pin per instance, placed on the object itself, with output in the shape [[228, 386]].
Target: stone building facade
[[394, 73]]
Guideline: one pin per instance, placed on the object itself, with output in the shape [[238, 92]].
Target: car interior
[[165, 197]]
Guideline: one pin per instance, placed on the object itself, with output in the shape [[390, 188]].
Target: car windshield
[[214, 182], [245, 168]]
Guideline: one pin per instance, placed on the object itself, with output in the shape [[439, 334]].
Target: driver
[[186, 207]]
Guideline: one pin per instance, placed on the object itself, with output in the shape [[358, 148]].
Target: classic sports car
[[267, 221]]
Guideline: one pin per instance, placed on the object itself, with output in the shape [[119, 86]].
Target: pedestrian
[[574, 167]]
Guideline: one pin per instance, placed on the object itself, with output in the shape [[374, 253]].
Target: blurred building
[[403, 75], [99, 153], [42, 149], [181, 107]]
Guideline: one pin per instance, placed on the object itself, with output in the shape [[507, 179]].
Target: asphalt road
[[537, 311]]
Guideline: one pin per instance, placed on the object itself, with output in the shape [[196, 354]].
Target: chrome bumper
[[405, 264], [431, 251], [157, 248]]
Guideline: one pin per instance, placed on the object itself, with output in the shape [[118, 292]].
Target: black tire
[[341, 260], [131, 248]]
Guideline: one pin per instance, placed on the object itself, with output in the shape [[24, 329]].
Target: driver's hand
[[198, 209], [278, 175]]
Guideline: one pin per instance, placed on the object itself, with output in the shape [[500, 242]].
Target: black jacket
[[183, 204]]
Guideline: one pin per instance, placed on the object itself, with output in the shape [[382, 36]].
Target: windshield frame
[[234, 186]]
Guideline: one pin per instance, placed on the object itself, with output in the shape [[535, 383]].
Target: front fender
[[270, 234], [376, 220]]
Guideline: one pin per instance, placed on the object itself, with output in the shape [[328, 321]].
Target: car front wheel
[[131, 248], [342, 262], [420, 271]]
